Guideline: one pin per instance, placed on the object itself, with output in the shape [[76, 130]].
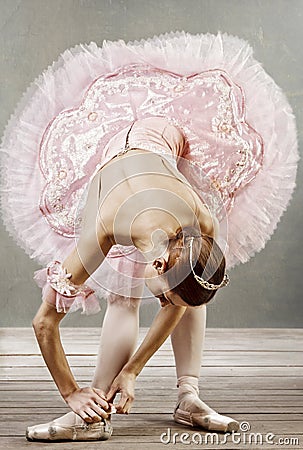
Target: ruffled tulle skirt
[[238, 123]]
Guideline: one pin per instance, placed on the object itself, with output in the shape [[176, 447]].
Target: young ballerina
[[237, 152], [138, 198]]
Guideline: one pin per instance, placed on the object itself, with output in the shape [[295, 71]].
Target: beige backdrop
[[266, 291]]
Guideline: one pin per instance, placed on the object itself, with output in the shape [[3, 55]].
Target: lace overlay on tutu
[[238, 124], [226, 147]]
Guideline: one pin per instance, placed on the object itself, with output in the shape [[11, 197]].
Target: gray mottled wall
[[266, 291]]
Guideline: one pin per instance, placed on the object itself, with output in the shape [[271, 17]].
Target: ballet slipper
[[192, 411], [79, 431]]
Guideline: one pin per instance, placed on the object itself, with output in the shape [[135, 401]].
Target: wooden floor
[[253, 375]]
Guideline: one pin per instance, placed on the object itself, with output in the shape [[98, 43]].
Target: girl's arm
[[162, 326], [83, 401]]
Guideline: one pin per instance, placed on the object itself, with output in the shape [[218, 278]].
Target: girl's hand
[[125, 384], [89, 403]]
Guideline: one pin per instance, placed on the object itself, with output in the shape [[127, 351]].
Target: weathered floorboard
[[254, 375]]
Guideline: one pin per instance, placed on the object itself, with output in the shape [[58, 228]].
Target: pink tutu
[[238, 124]]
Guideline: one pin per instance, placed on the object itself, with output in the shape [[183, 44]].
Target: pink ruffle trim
[[85, 300]]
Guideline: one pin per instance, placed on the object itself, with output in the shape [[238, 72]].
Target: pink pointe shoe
[[191, 411], [79, 431], [211, 422]]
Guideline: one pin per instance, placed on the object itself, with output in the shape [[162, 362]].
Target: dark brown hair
[[208, 262]]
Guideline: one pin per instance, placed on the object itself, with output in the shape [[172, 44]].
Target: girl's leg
[[118, 341], [187, 341]]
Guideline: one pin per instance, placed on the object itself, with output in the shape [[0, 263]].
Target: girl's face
[[157, 284]]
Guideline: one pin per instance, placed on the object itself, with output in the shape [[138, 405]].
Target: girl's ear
[[160, 265]]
